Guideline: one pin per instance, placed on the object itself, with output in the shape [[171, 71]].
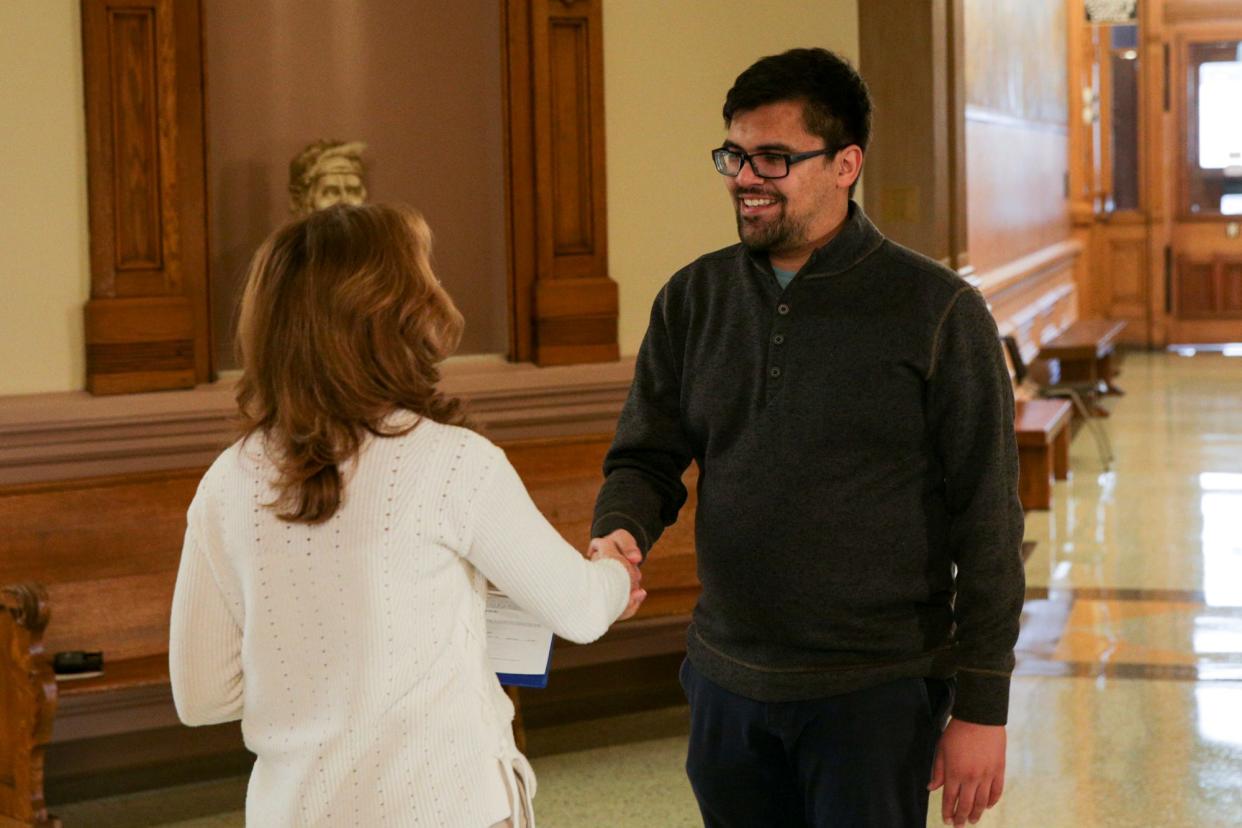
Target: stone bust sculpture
[[327, 173], [1111, 11]]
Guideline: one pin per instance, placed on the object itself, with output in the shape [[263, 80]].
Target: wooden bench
[[107, 551], [28, 689], [1043, 432], [1086, 353]]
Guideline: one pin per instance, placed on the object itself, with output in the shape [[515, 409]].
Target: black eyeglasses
[[764, 164]]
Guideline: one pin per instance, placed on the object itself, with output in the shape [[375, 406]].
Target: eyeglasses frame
[[791, 158]]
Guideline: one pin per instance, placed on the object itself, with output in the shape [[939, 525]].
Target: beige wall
[[44, 274], [667, 68]]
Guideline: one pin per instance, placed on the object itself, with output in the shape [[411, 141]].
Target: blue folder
[[538, 680]]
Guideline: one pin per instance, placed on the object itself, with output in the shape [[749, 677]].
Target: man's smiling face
[[780, 214]]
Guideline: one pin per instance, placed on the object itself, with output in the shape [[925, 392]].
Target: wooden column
[[955, 81], [147, 320], [1155, 98], [563, 304], [915, 175]]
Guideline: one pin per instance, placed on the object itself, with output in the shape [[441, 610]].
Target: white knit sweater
[[354, 651]]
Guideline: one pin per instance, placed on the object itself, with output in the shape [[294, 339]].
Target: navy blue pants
[[857, 759]]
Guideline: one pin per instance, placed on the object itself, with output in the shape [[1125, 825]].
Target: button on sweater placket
[[776, 351]]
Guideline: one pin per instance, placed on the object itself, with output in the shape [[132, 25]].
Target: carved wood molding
[[72, 435], [1050, 259], [564, 305], [146, 321], [27, 703]]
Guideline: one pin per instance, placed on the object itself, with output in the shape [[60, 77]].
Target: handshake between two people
[[621, 546]]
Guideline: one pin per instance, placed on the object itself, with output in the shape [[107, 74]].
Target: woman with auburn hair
[[333, 581]]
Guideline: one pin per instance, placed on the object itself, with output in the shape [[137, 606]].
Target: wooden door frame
[[148, 321]]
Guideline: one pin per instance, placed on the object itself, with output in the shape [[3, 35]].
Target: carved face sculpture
[[327, 173], [338, 182]]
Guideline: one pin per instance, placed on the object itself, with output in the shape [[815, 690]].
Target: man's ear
[[848, 165]]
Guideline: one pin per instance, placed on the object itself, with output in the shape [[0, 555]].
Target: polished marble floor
[[1127, 701]]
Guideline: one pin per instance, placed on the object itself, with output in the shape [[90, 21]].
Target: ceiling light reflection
[[1215, 635], [1222, 546], [1219, 713], [1220, 481]]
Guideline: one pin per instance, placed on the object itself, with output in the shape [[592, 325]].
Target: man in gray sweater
[[858, 529]]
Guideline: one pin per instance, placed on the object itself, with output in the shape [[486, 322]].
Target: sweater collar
[[858, 239]]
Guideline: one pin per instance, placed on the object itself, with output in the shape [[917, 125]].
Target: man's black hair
[[837, 103]]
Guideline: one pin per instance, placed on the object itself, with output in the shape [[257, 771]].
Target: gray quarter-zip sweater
[[855, 444]]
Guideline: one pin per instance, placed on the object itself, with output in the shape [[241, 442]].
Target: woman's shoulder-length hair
[[342, 322]]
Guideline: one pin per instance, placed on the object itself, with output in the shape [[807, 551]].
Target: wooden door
[[1205, 273]]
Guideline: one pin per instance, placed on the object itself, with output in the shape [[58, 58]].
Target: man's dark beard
[[777, 235], [762, 239]]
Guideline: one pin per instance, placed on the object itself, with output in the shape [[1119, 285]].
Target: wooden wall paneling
[[563, 483], [111, 547], [124, 617], [1230, 277], [55, 531], [555, 161], [1194, 294], [1123, 274], [1016, 60], [1208, 289], [1198, 11], [147, 319], [1014, 208], [1203, 240], [67, 435], [1018, 139], [100, 545]]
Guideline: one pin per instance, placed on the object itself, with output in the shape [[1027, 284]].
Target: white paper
[[516, 642]]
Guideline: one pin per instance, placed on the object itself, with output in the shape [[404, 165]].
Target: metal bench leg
[[1097, 431]]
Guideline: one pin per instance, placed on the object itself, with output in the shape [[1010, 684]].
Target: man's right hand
[[621, 546], [622, 541]]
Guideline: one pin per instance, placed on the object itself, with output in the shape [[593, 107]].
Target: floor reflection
[[1127, 699]]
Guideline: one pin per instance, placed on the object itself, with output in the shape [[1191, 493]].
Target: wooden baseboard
[[142, 760], [601, 690]]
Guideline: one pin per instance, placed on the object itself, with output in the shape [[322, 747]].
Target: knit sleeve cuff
[[612, 521], [982, 697]]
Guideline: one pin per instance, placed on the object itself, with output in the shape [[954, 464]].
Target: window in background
[[1214, 139], [1124, 72]]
